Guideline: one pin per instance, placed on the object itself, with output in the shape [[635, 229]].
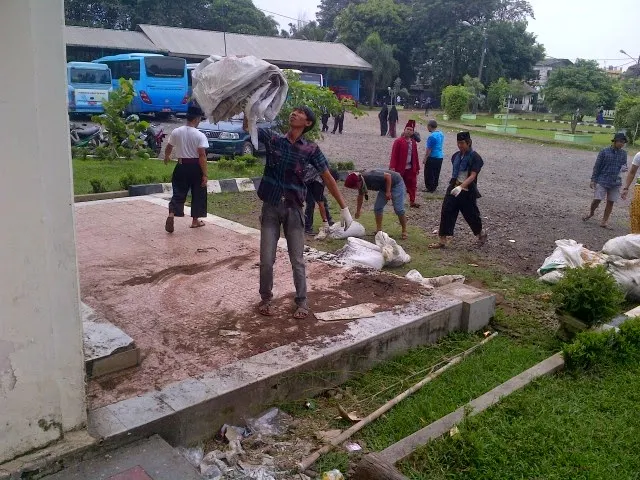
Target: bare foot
[[198, 224]]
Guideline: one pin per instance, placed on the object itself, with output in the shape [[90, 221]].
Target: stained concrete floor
[[188, 298]]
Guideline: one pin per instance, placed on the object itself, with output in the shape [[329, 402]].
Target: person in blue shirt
[[605, 179], [434, 156]]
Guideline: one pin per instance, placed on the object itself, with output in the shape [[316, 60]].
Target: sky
[[592, 29]]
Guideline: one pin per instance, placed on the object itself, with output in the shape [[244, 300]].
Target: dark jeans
[[325, 123], [310, 205], [464, 203], [338, 123], [271, 219], [188, 177], [384, 128], [432, 173]]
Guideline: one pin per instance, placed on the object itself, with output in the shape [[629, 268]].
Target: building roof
[[554, 62], [203, 43], [103, 38]]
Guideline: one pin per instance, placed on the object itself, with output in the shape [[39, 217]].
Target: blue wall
[[352, 87]]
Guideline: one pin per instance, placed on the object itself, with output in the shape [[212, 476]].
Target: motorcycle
[[85, 136], [152, 137]]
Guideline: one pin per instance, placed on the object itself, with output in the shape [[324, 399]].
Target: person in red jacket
[[405, 160]]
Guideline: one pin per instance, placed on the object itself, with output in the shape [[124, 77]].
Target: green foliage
[[97, 186], [79, 152], [496, 94], [456, 101], [380, 56], [238, 16], [129, 179], [584, 86], [627, 117], [314, 97], [598, 349], [341, 166], [475, 88], [589, 294]]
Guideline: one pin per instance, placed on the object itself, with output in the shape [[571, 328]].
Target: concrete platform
[[187, 299]]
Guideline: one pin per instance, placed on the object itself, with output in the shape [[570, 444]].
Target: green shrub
[[239, 166], [129, 179], [97, 186], [456, 101], [589, 294], [225, 164], [345, 166], [249, 160], [597, 349], [102, 153], [166, 178]]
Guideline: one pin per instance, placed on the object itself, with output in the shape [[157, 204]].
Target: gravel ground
[[532, 194]]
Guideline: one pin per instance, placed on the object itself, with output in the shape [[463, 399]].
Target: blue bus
[[160, 81], [88, 85]]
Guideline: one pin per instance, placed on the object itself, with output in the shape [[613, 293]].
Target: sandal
[[168, 225], [265, 308], [301, 313], [435, 246], [197, 225]]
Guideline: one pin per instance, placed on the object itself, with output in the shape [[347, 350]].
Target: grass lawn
[[111, 173], [557, 428]]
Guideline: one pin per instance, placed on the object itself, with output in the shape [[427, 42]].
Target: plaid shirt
[[284, 171], [610, 163]]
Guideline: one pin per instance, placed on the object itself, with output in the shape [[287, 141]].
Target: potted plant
[[584, 297]]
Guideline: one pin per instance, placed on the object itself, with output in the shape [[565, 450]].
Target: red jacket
[[399, 154]]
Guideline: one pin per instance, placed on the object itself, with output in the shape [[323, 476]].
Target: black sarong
[[465, 203], [188, 176]]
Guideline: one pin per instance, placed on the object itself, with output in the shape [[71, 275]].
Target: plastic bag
[[194, 455], [360, 252], [627, 247], [233, 85], [337, 231], [273, 422], [627, 275], [394, 255], [434, 282], [566, 254]]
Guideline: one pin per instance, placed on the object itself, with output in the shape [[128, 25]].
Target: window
[[129, 69], [165, 67], [100, 77]]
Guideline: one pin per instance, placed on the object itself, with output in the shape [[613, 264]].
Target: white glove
[[456, 191], [324, 231], [345, 215]]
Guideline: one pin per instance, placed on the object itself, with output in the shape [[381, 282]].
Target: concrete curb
[[405, 447], [92, 197]]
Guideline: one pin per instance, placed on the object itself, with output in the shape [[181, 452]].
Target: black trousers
[[325, 123], [188, 177], [338, 123], [384, 128], [432, 173], [465, 203]]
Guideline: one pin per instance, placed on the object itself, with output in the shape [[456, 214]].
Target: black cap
[[310, 116], [463, 136], [620, 137]]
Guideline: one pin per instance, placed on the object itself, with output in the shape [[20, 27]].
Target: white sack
[[627, 247], [433, 282], [240, 84], [394, 255], [627, 275], [360, 252], [566, 254], [337, 231]]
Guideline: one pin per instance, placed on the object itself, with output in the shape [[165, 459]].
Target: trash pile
[[620, 255], [384, 253], [231, 85], [252, 452], [431, 284]]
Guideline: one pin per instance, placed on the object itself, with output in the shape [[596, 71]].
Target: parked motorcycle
[[152, 137], [85, 136]]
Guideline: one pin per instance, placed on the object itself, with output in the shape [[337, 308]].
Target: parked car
[[228, 137]]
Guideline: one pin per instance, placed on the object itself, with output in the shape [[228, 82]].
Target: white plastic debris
[[337, 231], [360, 252], [194, 455], [273, 422], [393, 254]]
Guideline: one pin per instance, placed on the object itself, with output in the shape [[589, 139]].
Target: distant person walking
[[383, 116], [433, 157], [405, 161], [605, 179], [325, 119], [427, 105], [190, 174], [393, 120], [338, 121], [462, 194]]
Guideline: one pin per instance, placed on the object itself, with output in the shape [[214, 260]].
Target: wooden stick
[[311, 459]]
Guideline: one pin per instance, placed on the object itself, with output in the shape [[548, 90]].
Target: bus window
[[99, 77], [164, 67], [129, 69]]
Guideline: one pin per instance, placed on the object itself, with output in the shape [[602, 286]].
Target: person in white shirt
[[190, 173], [635, 163]]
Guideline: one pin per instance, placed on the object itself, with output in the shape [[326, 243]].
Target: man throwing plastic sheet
[[283, 193]]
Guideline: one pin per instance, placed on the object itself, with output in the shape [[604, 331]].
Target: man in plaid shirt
[[605, 180], [282, 191]]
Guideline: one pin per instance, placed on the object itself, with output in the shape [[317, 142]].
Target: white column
[[41, 361]]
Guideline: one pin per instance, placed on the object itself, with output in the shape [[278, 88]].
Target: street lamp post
[[625, 53]]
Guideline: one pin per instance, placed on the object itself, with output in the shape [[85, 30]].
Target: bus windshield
[[312, 78], [164, 67], [97, 77]]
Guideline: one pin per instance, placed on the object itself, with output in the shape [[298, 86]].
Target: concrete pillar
[[41, 361]]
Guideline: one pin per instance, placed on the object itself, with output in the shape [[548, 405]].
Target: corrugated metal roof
[[103, 38], [202, 43]]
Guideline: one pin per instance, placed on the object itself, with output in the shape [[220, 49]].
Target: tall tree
[[380, 56]]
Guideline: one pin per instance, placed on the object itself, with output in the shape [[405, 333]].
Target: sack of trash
[[393, 254], [360, 252], [224, 88], [433, 282], [337, 231], [568, 254], [627, 247], [627, 275]]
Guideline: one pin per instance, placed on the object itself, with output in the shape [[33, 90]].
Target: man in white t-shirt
[[635, 164], [190, 145]]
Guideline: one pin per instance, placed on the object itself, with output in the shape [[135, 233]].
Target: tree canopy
[[380, 56], [238, 16]]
